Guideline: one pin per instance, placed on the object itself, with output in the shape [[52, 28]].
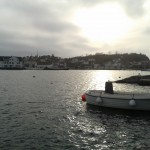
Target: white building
[[11, 62]]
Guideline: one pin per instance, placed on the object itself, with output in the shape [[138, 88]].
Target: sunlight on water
[[47, 112], [87, 131], [95, 80], [99, 78]]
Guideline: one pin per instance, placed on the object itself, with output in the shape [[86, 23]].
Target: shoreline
[[138, 79]]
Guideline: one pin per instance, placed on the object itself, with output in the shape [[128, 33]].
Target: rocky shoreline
[[138, 79]]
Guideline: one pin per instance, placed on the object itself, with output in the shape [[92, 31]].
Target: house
[[11, 62], [30, 64], [113, 65], [74, 60]]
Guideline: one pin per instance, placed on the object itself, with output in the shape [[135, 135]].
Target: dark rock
[[141, 80], [144, 82]]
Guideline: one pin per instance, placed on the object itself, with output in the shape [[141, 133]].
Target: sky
[[69, 28]]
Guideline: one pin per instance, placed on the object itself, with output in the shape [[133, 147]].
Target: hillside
[[123, 58]]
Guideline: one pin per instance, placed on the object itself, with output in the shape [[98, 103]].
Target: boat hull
[[118, 100]]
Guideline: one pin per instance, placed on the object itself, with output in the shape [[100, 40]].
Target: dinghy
[[120, 100]]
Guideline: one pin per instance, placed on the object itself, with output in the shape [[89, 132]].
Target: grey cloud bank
[[44, 25]]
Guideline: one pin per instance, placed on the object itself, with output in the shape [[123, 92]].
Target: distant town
[[98, 61]]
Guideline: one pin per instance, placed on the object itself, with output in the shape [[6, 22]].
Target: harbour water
[[42, 110]]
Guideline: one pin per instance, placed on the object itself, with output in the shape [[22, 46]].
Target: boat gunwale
[[117, 98]]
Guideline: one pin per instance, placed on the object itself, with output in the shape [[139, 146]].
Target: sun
[[104, 23]]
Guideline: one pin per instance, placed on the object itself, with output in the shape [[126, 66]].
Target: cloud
[[133, 8], [37, 25], [27, 26]]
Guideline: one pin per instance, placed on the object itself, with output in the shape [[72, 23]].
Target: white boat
[[120, 100]]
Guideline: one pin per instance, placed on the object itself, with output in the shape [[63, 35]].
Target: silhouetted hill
[[96, 61], [101, 58]]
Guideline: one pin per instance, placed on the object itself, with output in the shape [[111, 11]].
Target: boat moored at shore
[[120, 100]]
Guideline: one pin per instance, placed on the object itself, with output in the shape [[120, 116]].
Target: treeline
[[125, 58]]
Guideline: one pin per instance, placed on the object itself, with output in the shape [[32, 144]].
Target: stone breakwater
[[138, 79]]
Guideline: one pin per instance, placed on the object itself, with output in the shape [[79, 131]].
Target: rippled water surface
[[45, 112]]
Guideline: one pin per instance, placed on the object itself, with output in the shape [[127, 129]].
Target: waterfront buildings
[[102, 62], [11, 62]]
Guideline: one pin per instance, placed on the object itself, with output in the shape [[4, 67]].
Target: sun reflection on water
[[85, 132], [95, 80], [91, 128], [98, 79]]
